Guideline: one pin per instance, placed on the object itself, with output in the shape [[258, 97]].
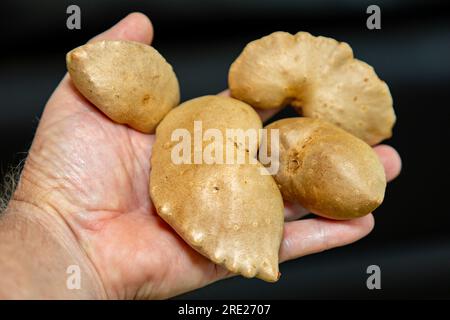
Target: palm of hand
[[100, 173]]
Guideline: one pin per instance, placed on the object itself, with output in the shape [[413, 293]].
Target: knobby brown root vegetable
[[130, 82], [319, 77], [230, 213], [327, 170]]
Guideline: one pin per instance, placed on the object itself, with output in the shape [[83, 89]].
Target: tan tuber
[[130, 82], [230, 213], [327, 170], [319, 77]]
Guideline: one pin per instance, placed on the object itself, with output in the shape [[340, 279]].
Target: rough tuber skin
[[230, 213], [319, 77], [327, 170], [128, 81]]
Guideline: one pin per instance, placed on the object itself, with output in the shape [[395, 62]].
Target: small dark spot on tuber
[[145, 99]]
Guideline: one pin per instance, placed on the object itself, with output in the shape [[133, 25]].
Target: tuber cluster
[[232, 212]]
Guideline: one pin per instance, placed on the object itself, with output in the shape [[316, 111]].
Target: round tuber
[[327, 170]]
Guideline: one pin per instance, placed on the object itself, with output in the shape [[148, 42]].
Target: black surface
[[411, 240]]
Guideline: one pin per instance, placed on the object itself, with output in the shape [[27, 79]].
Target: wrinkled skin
[[92, 174]]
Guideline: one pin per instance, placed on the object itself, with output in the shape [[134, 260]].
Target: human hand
[[86, 180]]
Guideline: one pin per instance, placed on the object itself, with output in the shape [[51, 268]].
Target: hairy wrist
[[40, 257]]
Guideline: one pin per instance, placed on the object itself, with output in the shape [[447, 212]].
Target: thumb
[[134, 27], [66, 100]]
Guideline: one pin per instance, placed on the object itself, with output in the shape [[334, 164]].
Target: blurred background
[[411, 52]]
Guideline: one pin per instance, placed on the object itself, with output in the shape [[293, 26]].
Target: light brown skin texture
[[128, 81], [327, 170], [319, 77], [230, 213]]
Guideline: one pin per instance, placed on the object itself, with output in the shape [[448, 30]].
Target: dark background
[[411, 240]]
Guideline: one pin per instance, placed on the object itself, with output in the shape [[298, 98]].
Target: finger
[[390, 159], [310, 236], [304, 237], [293, 211], [134, 27], [265, 114]]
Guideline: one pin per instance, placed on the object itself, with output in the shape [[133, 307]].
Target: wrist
[[40, 257]]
